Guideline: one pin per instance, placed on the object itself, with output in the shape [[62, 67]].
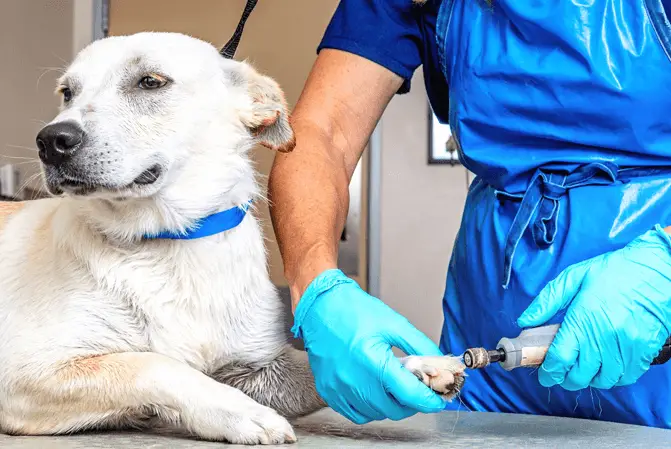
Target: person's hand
[[618, 316], [348, 335]]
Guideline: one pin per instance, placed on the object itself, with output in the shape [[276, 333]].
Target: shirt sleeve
[[386, 32]]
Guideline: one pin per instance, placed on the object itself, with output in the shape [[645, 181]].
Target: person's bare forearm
[[308, 189], [309, 201]]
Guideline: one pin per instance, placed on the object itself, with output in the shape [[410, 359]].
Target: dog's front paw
[[444, 375], [248, 423], [261, 425]]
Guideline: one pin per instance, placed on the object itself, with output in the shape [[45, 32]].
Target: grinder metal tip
[[475, 358]]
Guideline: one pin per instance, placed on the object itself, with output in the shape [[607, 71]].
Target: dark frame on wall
[[439, 140], [100, 19]]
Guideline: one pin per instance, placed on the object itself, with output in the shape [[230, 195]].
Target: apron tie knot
[[540, 204]]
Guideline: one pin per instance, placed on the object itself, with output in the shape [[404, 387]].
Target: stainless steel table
[[325, 430]]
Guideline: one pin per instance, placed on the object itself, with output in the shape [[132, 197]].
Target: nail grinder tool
[[528, 349]]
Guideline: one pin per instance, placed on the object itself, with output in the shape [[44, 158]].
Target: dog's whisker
[[39, 121], [29, 181], [10, 156], [39, 192], [54, 69], [19, 158], [21, 147], [46, 70], [64, 61], [16, 164]]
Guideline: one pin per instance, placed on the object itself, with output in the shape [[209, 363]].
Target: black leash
[[228, 50]]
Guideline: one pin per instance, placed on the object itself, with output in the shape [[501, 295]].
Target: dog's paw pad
[[445, 375]]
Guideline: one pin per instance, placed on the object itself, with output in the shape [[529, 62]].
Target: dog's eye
[[152, 82], [67, 94]]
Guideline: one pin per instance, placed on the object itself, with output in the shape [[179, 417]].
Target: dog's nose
[[58, 142]]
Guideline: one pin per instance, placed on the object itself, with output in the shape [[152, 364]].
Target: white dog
[[104, 326]]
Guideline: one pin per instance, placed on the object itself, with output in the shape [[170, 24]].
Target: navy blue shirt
[[396, 34]]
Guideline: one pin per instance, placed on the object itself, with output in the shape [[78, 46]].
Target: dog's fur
[[100, 328]]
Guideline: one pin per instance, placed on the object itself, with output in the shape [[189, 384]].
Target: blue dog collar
[[214, 224]]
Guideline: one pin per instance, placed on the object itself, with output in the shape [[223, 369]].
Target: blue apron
[[562, 109]]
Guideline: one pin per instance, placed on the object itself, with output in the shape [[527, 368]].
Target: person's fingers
[[587, 366], [392, 409], [408, 390], [341, 405], [334, 398], [411, 340], [367, 407], [560, 358], [633, 372], [361, 411], [555, 296], [612, 370], [650, 338]]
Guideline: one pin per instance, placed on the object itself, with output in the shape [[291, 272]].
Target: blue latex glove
[[348, 335], [618, 316]]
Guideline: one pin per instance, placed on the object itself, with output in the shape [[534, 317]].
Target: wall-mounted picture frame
[[442, 149]]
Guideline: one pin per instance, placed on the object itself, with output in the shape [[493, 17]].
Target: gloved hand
[[618, 316], [348, 335]]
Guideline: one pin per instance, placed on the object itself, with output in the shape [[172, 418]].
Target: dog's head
[[159, 115]]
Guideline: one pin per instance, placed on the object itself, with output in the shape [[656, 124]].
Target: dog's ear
[[268, 117]]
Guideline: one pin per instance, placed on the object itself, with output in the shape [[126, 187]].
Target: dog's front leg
[[284, 383], [95, 392]]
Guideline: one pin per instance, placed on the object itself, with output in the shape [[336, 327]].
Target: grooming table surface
[[326, 430]]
